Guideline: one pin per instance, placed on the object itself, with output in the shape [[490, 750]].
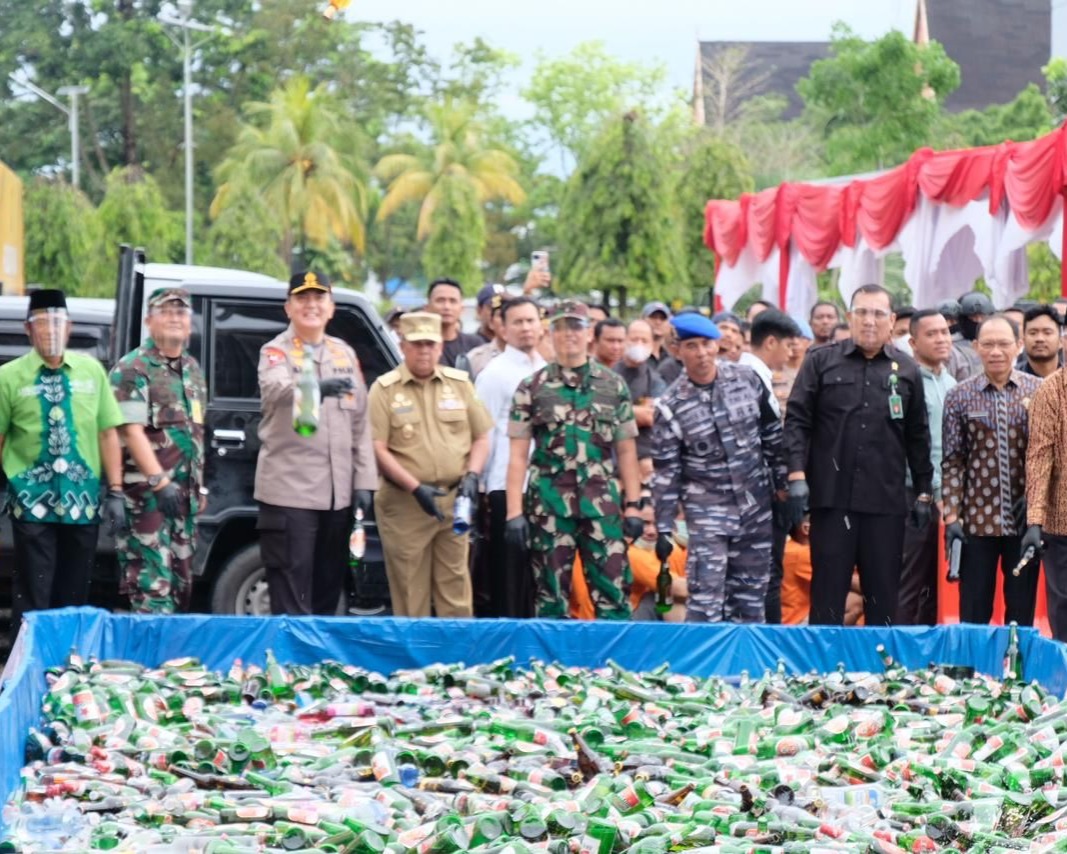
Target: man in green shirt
[[58, 420]]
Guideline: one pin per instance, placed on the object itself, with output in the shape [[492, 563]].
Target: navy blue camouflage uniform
[[718, 448]]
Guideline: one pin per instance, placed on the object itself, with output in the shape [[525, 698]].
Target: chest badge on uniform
[[274, 356], [407, 431]]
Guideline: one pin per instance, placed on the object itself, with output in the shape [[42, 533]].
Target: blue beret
[[805, 328], [694, 326]]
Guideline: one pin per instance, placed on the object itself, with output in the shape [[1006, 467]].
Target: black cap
[[309, 281], [46, 298]]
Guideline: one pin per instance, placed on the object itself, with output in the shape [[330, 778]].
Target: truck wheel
[[241, 587]]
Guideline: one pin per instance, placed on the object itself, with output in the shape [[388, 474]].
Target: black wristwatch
[[636, 505], [155, 480]]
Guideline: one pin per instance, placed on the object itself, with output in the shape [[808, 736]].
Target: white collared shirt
[[495, 387], [764, 373]]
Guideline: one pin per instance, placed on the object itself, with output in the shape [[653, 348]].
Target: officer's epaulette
[[455, 373], [387, 379]]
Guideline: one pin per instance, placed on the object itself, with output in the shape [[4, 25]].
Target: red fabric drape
[[820, 218]]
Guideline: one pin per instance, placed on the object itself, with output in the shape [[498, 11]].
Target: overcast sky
[[652, 31]]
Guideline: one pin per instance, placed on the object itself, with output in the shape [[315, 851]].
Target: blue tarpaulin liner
[[385, 644]]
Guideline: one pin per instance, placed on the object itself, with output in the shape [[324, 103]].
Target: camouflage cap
[[420, 326], [569, 308], [161, 296]]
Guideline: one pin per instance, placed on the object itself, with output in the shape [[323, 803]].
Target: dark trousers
[[842, 541], [978, 580], [53, 567], [481, 561], [917, 603], [306, 556], [512, 584], [772, 603], [1055, 560]]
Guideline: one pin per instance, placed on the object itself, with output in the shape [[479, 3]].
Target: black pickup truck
[[234, 314]]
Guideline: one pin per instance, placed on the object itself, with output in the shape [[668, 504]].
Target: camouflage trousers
[[156, 557], [727, 574], [554, 541]]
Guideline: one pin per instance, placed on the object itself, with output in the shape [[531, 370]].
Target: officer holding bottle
[[308, 479], [431, 441]]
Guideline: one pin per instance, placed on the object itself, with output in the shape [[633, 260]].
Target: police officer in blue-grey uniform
[[717, 447]]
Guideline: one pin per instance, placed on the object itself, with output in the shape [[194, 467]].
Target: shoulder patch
[[387, 379], [274, 355], [455, 373]]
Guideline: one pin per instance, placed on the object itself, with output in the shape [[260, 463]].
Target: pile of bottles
[[508, 759]]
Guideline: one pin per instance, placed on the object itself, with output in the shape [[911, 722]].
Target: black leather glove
[[664, 547], [113, 512], [517, 532], [1032, 537], [425, 495], [168, 499], [921, 514], [335, 386], [468, 486], [953, 532], [363, 500], [632, 527], [796, 503], [1018, 513]]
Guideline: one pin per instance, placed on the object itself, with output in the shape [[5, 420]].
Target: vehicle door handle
[[227, 440]]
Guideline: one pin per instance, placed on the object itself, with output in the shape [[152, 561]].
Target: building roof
[[999, 45], [765, 68]]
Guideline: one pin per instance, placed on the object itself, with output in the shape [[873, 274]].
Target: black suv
[[234, 314]]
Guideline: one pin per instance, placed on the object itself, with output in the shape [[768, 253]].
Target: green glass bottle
[[307, 398]]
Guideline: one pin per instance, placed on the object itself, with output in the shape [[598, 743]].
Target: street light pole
[[185, 45], [70, 112], [72, 115]]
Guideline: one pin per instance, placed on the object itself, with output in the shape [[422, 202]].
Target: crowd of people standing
[[561, 462]]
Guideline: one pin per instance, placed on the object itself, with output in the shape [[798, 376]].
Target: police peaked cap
[[46, 298]]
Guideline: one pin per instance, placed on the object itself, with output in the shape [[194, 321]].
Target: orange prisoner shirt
[[645, 567], [796, 582]]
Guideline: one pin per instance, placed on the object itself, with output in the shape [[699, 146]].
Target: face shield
[[49, 328]]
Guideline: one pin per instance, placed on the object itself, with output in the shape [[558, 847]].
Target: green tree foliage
[[292, 156], [456, 234], [245, 236], [133, 211], [575, 95], [619, 215], [1025, 118], [1056, 87], [450, 180], [61, 234], [713, 169], [876, 102]]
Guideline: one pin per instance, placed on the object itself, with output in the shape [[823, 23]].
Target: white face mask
[[647, 545], [681, 534], [638, 353]]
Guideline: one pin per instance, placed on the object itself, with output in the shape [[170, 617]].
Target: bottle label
[[85, 706], [303, 815]]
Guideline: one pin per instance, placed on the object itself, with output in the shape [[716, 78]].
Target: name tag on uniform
[[896, 407], [974, 414], [196, 411], [450, 403]]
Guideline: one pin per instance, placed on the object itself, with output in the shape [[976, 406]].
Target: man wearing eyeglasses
[[983, 484], [577, 416], [161, 392], [856, 417]]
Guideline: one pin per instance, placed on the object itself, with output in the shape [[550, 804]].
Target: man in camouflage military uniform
[[717, 447], [161, 392], [576, 414]]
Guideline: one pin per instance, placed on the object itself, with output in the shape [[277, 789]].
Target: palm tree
[[292, 162], [451, 179]]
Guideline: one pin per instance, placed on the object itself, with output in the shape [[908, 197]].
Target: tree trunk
[[126, 98]]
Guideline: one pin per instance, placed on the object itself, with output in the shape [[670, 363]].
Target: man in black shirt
[[1042, 354], [856, 417], [445, 298]]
